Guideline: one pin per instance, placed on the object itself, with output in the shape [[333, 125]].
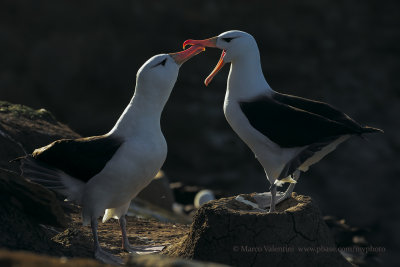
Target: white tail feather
[[116, 213]]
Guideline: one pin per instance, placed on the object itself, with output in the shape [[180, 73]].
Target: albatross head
[[154, 83], [158, 75], [235, 45]]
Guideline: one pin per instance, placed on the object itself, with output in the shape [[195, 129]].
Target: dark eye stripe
[[228, 39], [160, 63]]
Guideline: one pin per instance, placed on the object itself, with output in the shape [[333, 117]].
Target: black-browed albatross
[[287, 133], [104, 173]]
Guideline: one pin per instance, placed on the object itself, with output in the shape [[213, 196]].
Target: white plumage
[[287, 134], [104, 173]]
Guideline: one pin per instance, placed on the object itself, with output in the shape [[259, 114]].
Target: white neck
[[246, 79], [141, 115]]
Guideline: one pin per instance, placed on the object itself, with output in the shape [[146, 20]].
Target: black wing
[[317, 107], [290, 126], [81, 158]]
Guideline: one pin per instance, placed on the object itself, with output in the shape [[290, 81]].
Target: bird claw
[[144, 250], [263, 200], [249, 203], [129, 248], [272, 209]]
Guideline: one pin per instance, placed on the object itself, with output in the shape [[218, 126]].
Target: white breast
[[131, 169]]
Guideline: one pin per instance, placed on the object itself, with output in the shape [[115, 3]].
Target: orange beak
[[185, 55], [211, 42]]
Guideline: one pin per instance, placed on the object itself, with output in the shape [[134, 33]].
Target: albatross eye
[[227, 39], [160, 63]]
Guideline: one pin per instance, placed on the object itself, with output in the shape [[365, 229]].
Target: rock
[[24, 206], [230, 232], [32, 199], [23, 129], [27, 259], [27, 209], [158, 192]]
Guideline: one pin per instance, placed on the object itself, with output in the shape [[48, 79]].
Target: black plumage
[[80, 158], [291, 121]]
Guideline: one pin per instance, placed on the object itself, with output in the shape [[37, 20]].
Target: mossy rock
[[19, 110], [23, 129]]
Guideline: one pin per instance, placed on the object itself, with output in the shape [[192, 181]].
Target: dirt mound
[[231, 232]]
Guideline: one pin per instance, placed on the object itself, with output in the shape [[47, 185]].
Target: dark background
[[78, 59]]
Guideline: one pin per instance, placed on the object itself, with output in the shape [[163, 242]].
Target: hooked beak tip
[[211, 42], [186, 43]]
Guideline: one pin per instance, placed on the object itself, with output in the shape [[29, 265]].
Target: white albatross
[[287, 133], [104, 173]]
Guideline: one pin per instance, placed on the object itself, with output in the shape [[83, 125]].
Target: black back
[[293, 121], [317, 107], [81, 158]]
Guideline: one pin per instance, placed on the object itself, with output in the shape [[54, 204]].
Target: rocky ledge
[[231, 232]]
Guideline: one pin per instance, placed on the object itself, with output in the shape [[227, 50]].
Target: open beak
[[211, 42], [185, 55]]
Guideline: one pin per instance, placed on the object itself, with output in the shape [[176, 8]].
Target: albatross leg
[[289, 190], [99, 253], [263, 200], [125, 241], [273, 197], [132, 249]]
